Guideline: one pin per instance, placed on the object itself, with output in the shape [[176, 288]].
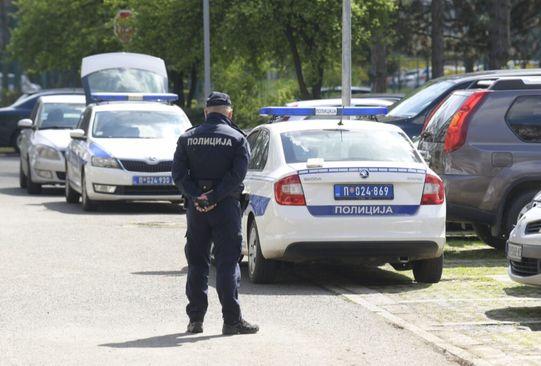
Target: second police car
[[349, 190], [124, 143]]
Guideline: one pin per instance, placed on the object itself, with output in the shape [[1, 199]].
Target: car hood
[[58, 139], [138, 149]]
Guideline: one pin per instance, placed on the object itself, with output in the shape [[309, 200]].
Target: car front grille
[[141, 166], [533, 227], [526, 267], [147, 190]]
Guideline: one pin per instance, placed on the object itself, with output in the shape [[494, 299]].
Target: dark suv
[[410, 113], [486, 145]]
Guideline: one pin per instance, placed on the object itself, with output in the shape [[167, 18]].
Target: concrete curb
[[463, 357]]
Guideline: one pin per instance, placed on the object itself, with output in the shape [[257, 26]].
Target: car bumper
[[528, 270], [291, 233], [125, 190], [46, 171]]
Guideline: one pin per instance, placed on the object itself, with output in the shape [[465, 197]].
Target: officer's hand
[[202, 204]]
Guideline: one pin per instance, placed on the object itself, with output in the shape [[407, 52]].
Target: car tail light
[[458, 128], [432, 112], [288, 191], [433, 191]]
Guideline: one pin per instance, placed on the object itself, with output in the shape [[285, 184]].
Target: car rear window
[[347, 145], [416, 103], [524, 118], [437, 126]]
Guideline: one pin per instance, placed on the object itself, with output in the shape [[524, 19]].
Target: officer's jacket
[[214, 151]]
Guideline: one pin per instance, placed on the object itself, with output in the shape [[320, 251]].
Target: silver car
[[44, 139]]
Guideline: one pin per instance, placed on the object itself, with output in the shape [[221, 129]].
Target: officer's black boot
[[242, 327], [195, 327]]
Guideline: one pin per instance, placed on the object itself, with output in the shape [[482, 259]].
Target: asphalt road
[[107, 288]]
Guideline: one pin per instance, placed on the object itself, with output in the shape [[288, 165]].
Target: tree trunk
[[469, 61], [316, 88], [297, 62], [4, 38], [378, 62], [499, 33], [193, 85], [437, 38], [178, 86]]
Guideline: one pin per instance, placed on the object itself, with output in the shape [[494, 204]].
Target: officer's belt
[[208, 185]]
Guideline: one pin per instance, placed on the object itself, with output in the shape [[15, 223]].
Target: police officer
[[210, 164]]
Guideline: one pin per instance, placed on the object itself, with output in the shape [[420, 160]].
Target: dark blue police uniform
[[213, 156]]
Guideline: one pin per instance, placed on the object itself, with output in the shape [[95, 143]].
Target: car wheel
[[87, 203], [72, 196], [516, 209], [22, 176], [428, 270], [484, 233], [31, 187], [260, 270]]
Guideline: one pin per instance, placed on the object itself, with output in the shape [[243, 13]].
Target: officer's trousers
[[222, 226]]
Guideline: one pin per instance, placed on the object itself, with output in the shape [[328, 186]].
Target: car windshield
[[416, 103], [59, 115], [347, 145], [139, 124], [126, 81]]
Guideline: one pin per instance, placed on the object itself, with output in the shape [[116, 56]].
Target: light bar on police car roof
[[134, 97], [322, 111]]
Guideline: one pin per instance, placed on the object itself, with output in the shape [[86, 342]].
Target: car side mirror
[[425, 155], [78, 134], [25, 123]]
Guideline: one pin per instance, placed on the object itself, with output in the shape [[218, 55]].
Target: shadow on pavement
[[523, 291], [183, 271], [46, 192], [526, 316], [169, 340], [116, 208]]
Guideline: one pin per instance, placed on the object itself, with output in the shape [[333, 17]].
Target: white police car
[[123, 147], [44, 139], [349, 190], [524, 246]]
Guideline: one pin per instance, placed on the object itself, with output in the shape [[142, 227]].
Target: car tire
[[260, 270], [87, 203], [31, 187], [22, 176], [484, 233], [428, 270], [72, 196], [515, 209]]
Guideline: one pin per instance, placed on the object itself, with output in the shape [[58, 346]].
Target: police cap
[[217, 98]]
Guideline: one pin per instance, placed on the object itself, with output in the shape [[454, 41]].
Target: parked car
[[123, 147], [524, 246], [485, 144], [349, 191], [410, 113], [44, 139], [22, 108]]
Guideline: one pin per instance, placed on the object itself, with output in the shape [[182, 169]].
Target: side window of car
[[36, 114], [524, 118], [259, 148]]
